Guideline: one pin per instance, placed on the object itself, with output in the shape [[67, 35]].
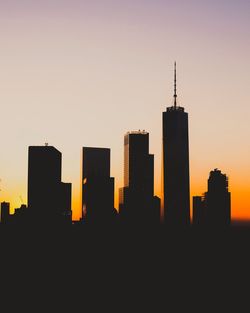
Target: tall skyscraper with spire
[[176, 164]]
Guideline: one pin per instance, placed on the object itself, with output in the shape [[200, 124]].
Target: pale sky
[[82, 73]]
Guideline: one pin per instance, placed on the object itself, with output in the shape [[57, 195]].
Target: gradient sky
[[82, 73]]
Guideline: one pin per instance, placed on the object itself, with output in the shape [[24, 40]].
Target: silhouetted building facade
[[199, 216], [137, 203], [5, 212], [97, 187], [214, 209], [176, 165], [66, 200], [22, 216], [48, 198]]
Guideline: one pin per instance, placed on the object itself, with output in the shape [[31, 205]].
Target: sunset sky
[[79, 73]]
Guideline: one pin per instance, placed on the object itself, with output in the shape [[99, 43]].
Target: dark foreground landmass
[[129, 268]]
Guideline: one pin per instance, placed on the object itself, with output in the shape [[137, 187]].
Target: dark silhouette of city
[[50, 199], [142, 246]]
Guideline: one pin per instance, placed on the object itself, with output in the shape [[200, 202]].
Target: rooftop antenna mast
[[175, 89]]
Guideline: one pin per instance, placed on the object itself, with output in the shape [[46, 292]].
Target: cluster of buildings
[[49, 199]]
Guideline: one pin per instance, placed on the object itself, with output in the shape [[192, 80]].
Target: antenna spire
[[175, 90]]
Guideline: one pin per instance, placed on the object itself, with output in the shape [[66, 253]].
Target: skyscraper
[[137, 202], [214, 208], [97, 186], [218, 199], [48, 198], [176, 164]]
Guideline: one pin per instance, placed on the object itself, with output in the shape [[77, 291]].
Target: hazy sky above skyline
[[83, 73]]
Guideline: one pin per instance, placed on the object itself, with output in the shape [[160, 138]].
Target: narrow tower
[[175, 87], [176, 164]]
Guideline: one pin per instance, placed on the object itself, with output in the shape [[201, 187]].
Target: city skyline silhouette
[[125, 156], [50, 200], [82, 75]]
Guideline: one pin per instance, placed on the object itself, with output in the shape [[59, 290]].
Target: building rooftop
[[46, 147], [137, 132], [175, 108]]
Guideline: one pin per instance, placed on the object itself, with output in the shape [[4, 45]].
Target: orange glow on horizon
[[239, 199], [239, 186]]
